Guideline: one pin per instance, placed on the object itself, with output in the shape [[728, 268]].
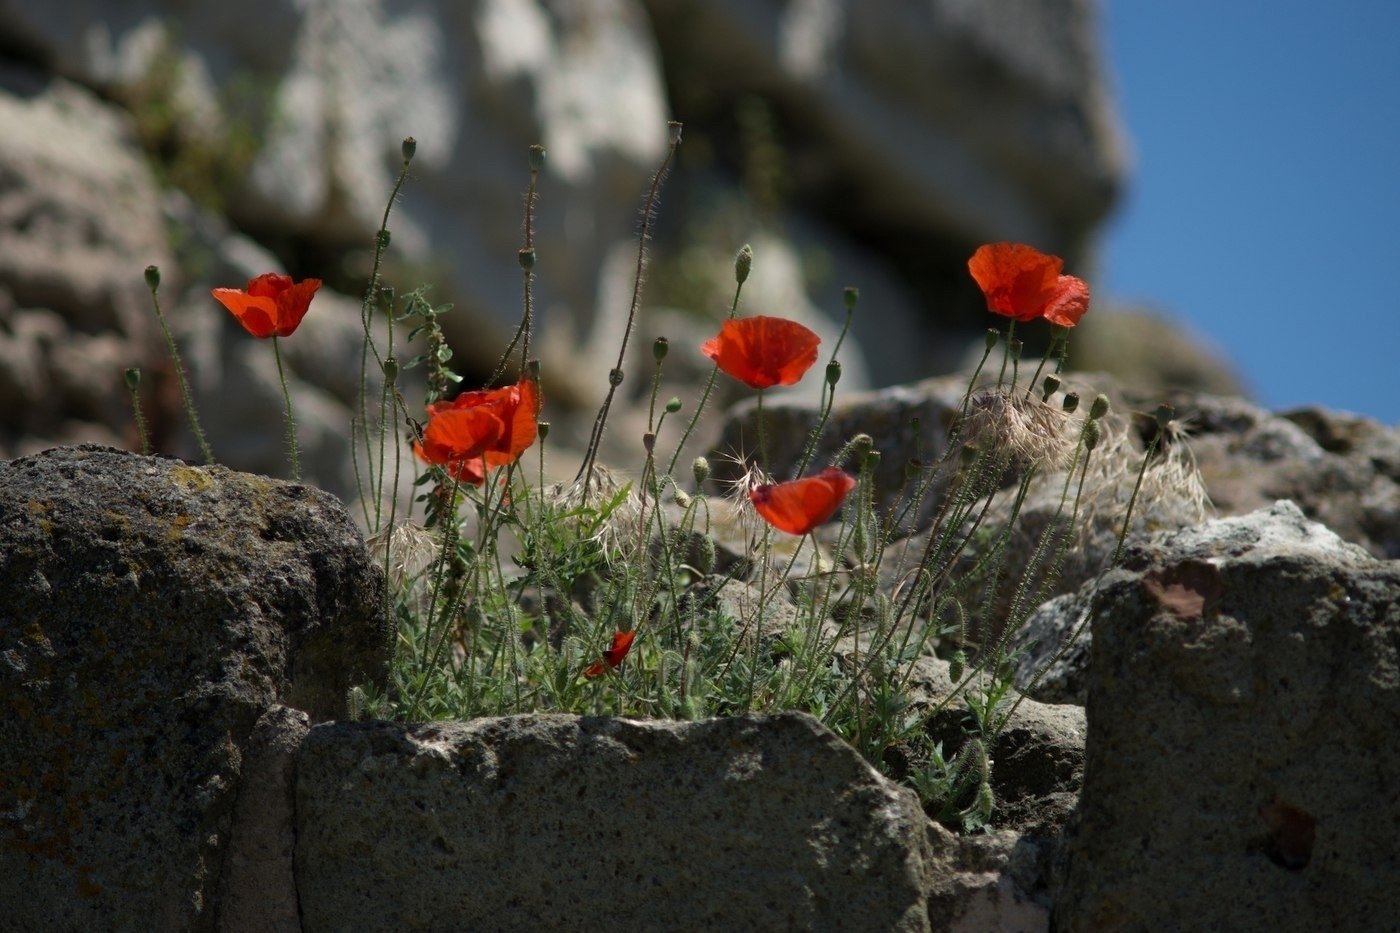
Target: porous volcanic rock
[[548, 822], [150, 612]]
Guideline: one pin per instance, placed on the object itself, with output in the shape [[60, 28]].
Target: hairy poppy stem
[[153, 283], [133, 385], [291, 422], [742, 266], [615, 376]]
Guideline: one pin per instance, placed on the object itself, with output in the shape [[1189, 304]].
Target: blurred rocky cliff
[[873, 145]]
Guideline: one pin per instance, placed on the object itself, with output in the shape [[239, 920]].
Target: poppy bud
[[659, 348], [408, 147], [673, 130], [1092, 433], [957, 666], [862, 444], [382, 238], [1099, 408], [133, 378], [526, 258], [706, 555], [614, 377], [1070, 403], [391, 370], [537, 158], [543, 429], [682, 498], [1049, 385], [1164, 415], [701, 468], [833, 373], [850, 296], [1015, 347], [152, 277], [673, 406], [993, 335], [743, 262]]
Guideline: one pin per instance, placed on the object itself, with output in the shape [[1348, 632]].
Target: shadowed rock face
[[150, 611], [1243, 706], [556, 822]]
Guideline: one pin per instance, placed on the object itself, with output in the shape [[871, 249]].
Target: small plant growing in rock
[[654, 594]]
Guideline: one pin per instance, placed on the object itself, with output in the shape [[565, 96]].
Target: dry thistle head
[[618, 535], [409, 549], [1030, 431]]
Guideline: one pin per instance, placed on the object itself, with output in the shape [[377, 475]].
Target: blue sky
[[1263, 206]]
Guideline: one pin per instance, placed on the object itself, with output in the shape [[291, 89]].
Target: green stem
[[291, 421], [185, 395]]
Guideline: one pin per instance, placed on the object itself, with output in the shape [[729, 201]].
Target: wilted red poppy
[[271, 306], [1023, 283], [482, 429], [800, 505], [763, 351], [612, 657]]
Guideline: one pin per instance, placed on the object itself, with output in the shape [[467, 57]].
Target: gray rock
[[931, 114], [79, 221], [317, 99], [1243, 701], [258, 891], [985, 882], [150, 612], [547, 822]]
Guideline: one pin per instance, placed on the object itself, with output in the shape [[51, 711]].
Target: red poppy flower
[[271, 306], [800, 505], [482, 429], [612, 657], [763, 351], [1023, 283]]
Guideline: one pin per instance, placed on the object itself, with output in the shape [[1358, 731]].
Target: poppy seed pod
[[408, 147], [833, 372], [743, 262], [851, 295], [615, 377], [993, 335], [673, 130], [133, 378], [391, 370], [1164, 415], [526, 258], [537, 156], [1049, 385], [152, 277], [1092, 434], [1070, 403], [659, 348]]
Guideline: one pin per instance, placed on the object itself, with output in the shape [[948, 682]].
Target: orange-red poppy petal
[[293, 304], [460, 434], [612, 656], [763, 351], [257, 314], [520, 415], [1070, 302], [1017, 280], [800, 505], [272, 305]]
